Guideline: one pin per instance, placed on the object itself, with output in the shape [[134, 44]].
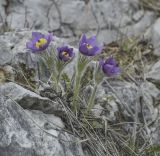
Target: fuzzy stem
[[58, 75], [56, 83], [76, 90], [80, 67], [79, 70], [91, 100]]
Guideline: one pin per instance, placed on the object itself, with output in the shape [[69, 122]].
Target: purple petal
[[83, 39], [83, 49], [58, 49], [72, 55], [31, 46], [107, 69], [49, 37], [60, 56], [43, 47], [110, 69], [111, 61], [117, 70], [65, 59], [65, 49], [37, 35], [95, 50], [101, 62], [92, 41], [70, 51]]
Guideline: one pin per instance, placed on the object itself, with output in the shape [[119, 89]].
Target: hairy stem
[[80, 67], [91, 100], [76, 90]]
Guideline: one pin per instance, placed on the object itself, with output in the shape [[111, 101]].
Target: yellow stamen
[[41, 42], [88, 46], [64, 53]]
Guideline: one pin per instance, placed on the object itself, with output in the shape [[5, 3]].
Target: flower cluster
[[87, 47]]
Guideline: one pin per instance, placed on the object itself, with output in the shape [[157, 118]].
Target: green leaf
[[153, 149]]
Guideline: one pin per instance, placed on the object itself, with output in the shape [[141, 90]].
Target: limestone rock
[[151, 98], [31, 133], [28, 99], [117, 18], [155, 36], [154, 73]]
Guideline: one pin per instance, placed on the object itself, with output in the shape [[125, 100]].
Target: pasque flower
[[65, 53], [110, 66], [89, 47], [39, 42]]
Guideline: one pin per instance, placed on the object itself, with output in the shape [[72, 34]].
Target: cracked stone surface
[[108, 19], [124, 97], [31, 132], [154, 73], [155, 36], [30, 100]]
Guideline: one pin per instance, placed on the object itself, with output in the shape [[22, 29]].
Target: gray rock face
[[29, 100], [153, 34], [15, 49], [125, 95], [156, 37], [154, 73], [107, 19], [151, 98], [3, 4], [118, 100], [32, 133], [6, 55]]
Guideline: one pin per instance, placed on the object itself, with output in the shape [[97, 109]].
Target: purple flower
[[39, 42], [110, 66], [89, 47], [65, 53]]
